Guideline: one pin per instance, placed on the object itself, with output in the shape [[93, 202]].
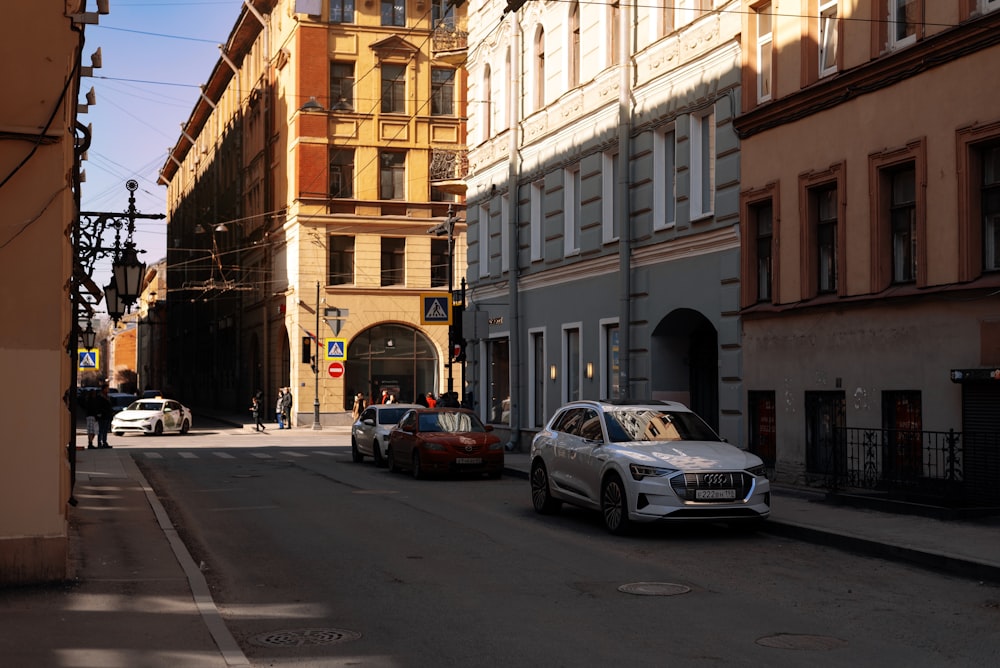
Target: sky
[[155, 55]]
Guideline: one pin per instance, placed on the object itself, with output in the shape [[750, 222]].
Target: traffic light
[[307, 355], [455, 336]]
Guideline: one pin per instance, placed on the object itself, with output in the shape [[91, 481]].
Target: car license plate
[[468, 460], [709, 494]]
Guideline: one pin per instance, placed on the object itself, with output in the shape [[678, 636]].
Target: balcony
[[450, 41], [448, 170]]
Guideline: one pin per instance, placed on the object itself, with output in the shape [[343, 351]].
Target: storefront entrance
[[391, 357]]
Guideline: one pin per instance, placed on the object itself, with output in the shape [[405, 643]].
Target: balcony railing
[[949, 469], [449, 165], [449, 36]]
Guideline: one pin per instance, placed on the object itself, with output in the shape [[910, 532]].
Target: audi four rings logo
[[715, 479]]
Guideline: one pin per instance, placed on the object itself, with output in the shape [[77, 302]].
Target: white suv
[[643, 462]]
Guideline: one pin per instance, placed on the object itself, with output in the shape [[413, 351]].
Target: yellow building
[[326, 145]]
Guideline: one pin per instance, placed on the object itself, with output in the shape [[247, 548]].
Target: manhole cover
[[304, 637], [800, 641], [654, 589]]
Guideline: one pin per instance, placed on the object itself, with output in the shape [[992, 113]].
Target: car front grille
[[686, 486]]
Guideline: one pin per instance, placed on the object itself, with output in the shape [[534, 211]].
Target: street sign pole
[[316, 424]]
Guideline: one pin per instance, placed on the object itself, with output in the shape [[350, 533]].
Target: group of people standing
[[97, 407], [282, 409]]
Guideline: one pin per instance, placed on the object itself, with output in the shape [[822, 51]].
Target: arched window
[[394, 357], [539, 100], [487, 110], [573, 64]]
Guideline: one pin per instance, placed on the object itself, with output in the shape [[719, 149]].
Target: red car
[[444, 440]]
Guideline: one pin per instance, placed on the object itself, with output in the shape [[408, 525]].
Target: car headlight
[[758, 471], [640, 471]]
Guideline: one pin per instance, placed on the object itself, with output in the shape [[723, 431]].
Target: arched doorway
[[685, 363], [394, 357]]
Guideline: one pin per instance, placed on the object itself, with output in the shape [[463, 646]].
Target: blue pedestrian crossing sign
[[87, 360], [435, 308], [336, 349]]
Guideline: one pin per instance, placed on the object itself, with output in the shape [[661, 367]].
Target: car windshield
[[390, 415], [146, 406], [450, 422], [636, 424]]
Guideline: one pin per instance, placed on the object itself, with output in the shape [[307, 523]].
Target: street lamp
[[88, 337]]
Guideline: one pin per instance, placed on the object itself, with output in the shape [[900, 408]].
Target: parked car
[[370, 431], [444, 440], [643, 462], [152, 416], [120, 401], [152, 394]]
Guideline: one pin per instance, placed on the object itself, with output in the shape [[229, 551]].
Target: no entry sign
[[336, 369]]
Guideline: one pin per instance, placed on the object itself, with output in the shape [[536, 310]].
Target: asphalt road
[[316, 561]]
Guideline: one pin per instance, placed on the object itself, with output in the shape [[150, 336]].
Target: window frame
[[750, 201], [881, 166], [701, 168], [393, 89], [440, 258], [342, 86], [396, 253], [760, 40], [572, 214], [345, 259], [609, 190], [395, 168], [341, 157], [538, 94], [832, 25], [810, 183], [443, 92], [392, 13], [970, 141], [537, 218], [342, 5], [665, 174], [573, 46]]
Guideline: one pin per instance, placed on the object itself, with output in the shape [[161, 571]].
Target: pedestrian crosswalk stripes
[[239, 453]]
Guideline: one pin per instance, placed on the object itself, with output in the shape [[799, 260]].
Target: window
[[614, 27], [483, 227], [488, 111], [498, 380], [393, 260], [573, 51], [393, 89], [765, 246], [611, 365], [443, 13], [609, 187], [762, 19], [824, 203], [571, 363], [825, 413], [763, 426], [341, 260], [988, 5], [990, 207], [571, 210], [539, 99], [392, 178], [702, 165], [665, 20], [341, 172], [898, 216], [394, 13], [504, 233], [342, 83], [828, 34], [664, 179], [903, 223], [341, 11], [442, 91], [440, 263], [537, 221], [538, 376], [903, 20]]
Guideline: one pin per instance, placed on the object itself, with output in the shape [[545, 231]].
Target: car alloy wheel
[[377, 454], [541, 497], [185, 427], [158, 429], [614, 505], [417, 473], [356, 455]]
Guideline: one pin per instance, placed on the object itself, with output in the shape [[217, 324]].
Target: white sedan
[[643, 463], [152, 416], [370, 432]]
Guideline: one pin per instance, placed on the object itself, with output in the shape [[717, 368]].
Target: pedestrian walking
[[87, 404], [255, 410], [103, 412], [277, 408], [286, 407], [359, 405]]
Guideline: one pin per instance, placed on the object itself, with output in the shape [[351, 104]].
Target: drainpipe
[[623, 210], [513, 272]]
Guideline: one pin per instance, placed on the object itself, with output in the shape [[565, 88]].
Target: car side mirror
[[370, 422]]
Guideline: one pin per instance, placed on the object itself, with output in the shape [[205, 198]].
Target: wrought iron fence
[[941, 468]]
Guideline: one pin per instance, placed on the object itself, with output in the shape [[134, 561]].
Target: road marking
[[294, 454], [260, 455], [152, 455], [188, 455], [223, 455]]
